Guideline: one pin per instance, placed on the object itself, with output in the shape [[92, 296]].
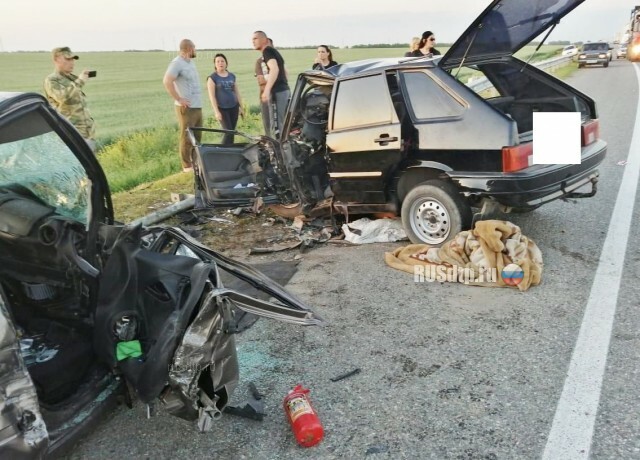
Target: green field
[[128, 96]]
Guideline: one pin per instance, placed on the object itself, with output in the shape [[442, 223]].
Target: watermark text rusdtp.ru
[[441, 273]]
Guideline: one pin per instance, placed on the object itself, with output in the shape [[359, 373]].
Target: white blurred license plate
[[591, 61]]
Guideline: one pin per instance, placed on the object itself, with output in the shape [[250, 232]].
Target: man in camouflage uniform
[[64, 91]]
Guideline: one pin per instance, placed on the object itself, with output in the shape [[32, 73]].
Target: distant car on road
[[570, 50], [622, 51], [595, 53]]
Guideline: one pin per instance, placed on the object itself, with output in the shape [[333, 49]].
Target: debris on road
[[298, 223], [253, 409], [220, 219], [165, 213], [276, 248], [376, 450], [347, 375], [365, 230]]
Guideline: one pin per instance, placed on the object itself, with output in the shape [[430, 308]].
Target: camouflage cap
[[64, 51]]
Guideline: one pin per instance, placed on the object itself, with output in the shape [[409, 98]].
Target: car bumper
[[593, 61], [537, 184]]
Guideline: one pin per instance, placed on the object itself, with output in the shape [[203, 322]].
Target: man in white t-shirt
[[182, 82]]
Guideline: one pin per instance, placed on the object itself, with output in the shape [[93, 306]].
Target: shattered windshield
[[33, 156]]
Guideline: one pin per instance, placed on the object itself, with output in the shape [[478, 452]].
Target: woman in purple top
[[224, 96]]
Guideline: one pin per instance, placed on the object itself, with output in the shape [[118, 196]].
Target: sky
[[116, 25]]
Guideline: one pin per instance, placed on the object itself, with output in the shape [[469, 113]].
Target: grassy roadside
[[565, 71], [148, 197]]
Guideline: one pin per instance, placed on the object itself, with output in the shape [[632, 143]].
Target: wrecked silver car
[[412, 137], [92, 311]]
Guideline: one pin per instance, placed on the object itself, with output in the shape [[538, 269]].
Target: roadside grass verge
[[148, 197], [565, 71], [140, 157]]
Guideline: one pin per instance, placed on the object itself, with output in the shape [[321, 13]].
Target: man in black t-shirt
[[276, 91]]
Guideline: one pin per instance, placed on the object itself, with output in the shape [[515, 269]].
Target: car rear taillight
[[517, 157], [590, 132]]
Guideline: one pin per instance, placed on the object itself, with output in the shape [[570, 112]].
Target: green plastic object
[[131, 349]]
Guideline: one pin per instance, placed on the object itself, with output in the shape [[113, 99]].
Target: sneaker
[[189, 169]]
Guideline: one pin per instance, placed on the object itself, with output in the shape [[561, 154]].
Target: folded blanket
[[477, 255]]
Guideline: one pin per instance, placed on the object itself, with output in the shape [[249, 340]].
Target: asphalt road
[[447, 370]]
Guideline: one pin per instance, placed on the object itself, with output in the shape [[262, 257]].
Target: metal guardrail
[[482, 83]]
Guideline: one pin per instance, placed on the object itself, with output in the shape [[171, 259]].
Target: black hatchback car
[[91, 310], [411, 137]]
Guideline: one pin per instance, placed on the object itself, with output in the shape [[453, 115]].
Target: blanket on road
[[493, 247]]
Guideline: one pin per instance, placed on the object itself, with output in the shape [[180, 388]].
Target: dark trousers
[[279, 102], [266, 117], [229, 121], [188, 118]]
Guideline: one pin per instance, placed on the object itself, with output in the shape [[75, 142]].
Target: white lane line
[[573, 423]]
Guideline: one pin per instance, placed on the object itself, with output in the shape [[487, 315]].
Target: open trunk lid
[[505, 27]]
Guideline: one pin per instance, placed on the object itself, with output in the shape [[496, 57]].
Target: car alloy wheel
[[433, 212]]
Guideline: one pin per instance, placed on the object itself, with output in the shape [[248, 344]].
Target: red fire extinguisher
[[304, 420]]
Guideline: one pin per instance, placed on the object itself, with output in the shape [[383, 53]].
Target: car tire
[[288, 211], [580, 66], [434, 212], [605, 65]]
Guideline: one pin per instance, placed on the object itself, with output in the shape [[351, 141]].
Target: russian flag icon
[[512, 274]]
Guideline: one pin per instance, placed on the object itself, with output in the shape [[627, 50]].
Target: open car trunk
[[519, 90]]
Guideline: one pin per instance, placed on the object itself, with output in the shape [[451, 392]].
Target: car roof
[[367, 66]]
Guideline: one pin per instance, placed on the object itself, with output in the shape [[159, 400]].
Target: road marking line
[[573, 424]]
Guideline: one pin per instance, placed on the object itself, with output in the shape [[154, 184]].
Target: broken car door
[[364, 137], [226, 174], [163, 315]]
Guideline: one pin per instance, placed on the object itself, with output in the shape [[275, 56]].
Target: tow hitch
[[594, 189]]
